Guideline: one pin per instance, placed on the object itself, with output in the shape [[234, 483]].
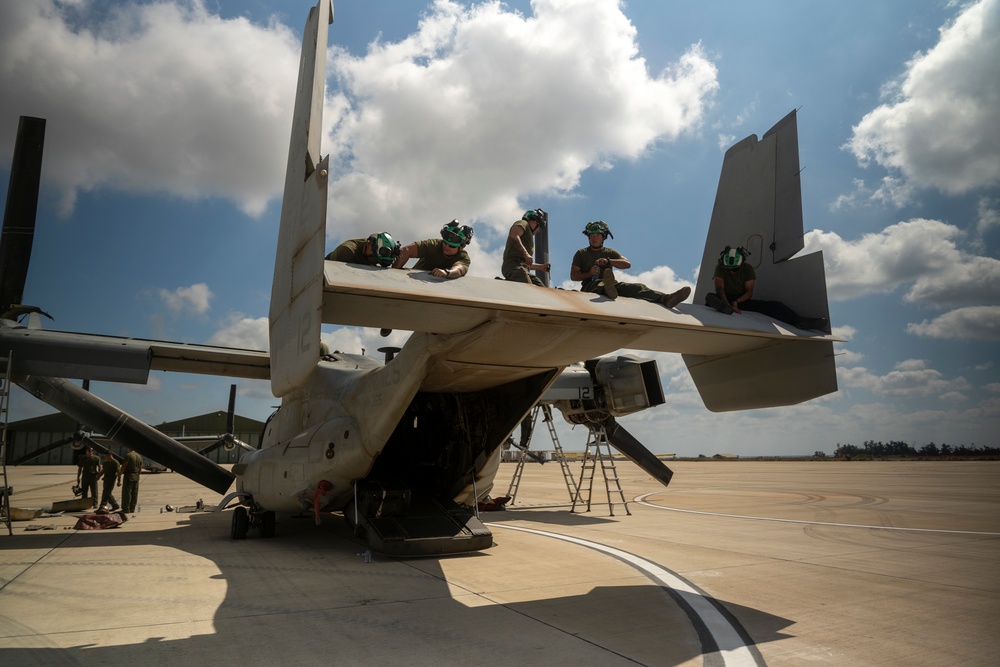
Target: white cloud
[[940, 129], [483, 107], [987, 214], [195, 298], [242, 332], [909, 379], [921, 254], [155, 98], [972, 323]]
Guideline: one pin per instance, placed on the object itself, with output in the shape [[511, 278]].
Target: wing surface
[[522, 328], [117, 359]]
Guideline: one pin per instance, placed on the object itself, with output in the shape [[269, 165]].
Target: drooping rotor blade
[[636, 452], [231, 415], [24, 458], [19, 213], [120, 427]]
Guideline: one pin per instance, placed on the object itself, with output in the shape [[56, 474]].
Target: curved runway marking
[[723, 640], [642, 501]]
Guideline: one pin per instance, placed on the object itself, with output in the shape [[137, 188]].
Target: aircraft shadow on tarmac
[[309, 594]]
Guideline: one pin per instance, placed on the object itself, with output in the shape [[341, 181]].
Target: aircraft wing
[[117, 359], [527, 328]]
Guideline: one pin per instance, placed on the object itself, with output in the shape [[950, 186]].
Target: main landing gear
[[244, 519]]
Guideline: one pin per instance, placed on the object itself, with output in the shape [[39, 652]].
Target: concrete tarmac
[[736, 563]]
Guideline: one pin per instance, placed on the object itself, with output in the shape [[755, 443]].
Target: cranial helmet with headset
[[732, 258], [455, 235], [384, 248], [538, 215], [598, 227]]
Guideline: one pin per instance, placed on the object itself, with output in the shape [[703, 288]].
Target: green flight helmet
[[598, 227], [732, 258], [456, 235], [537, 214], [384, 248]]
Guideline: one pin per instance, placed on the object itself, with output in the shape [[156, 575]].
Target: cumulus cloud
[[909, 379], [482, 106], [939, 130], [194, 299], [248, 333], [987, 214], [972, 323], [920, 255], [159, 97]]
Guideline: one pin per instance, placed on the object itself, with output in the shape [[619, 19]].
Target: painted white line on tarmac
[[718, 631], [642, 501]]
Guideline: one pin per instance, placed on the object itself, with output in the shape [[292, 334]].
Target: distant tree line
[[870, 448]]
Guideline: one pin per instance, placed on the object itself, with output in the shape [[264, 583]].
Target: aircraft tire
[[241, 522], [267, 524]]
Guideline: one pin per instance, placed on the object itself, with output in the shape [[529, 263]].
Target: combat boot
[[608, 276], [715, 301], [671, 300]]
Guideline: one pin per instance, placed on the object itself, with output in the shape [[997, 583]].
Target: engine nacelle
[[606, 387]]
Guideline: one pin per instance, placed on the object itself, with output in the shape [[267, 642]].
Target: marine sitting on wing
[[594, 267], [734, 281]]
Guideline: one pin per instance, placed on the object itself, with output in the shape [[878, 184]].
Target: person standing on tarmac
[[87, 471], [518, 255], [109, 474], [594, 267], [130, 471]]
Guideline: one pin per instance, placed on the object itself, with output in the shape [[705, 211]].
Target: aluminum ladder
[[598, 454]]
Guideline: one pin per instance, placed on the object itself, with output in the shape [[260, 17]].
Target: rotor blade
[[215, 445], [118, 426], [231, 415], [636, 452], [19, 214], [43, 450]]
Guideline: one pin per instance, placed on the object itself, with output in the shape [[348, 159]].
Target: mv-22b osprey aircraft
[[404, 448]]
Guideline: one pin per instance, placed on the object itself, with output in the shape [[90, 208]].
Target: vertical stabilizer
[[297, 291], [759, 206]]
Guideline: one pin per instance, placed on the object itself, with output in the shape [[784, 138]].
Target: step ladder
[[4, 409], [598, 454], [559, 456]]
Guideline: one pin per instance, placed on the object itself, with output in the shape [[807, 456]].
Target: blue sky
[[167, 134]]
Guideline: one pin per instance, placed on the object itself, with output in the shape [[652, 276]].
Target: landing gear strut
[[244, 519]]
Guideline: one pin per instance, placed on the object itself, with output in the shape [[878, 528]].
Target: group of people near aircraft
[[90, 468], [593, 266]]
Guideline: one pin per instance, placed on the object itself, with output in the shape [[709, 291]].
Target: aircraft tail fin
[[297, 290], [759, 206]]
